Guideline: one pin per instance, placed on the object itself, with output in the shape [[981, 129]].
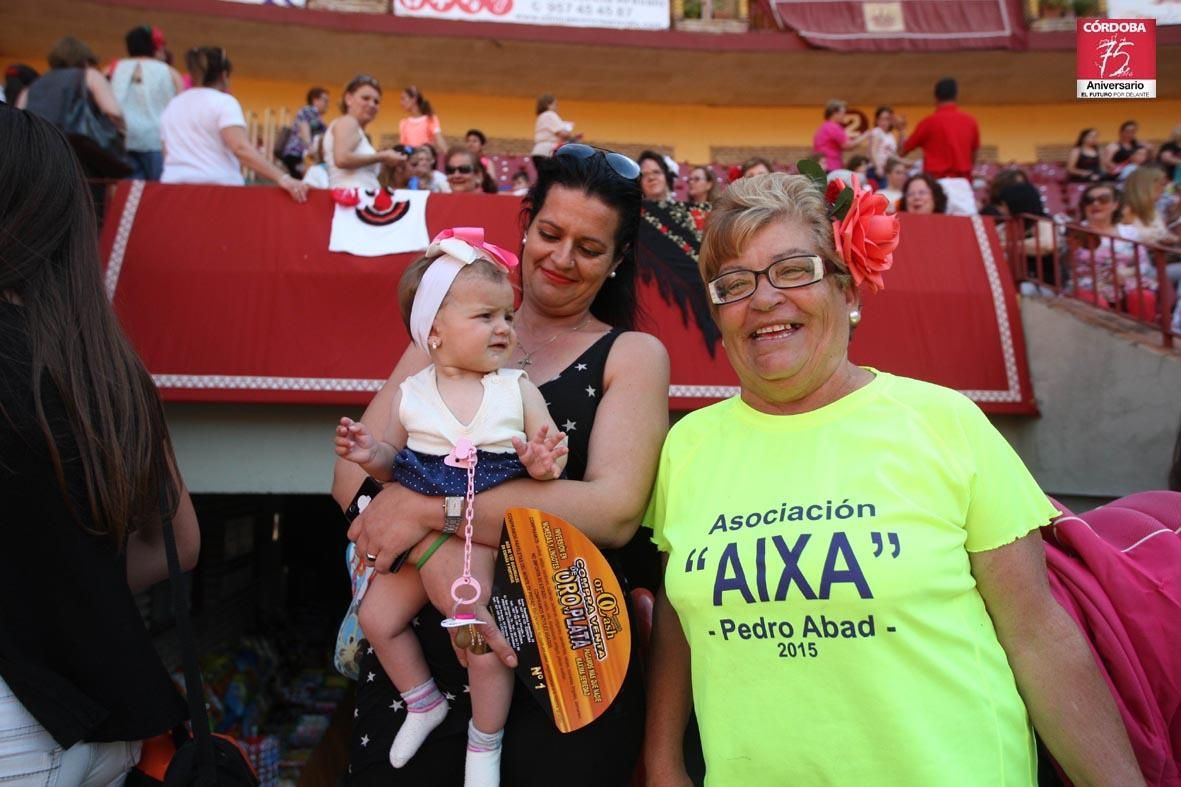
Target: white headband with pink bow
[[451, 249]]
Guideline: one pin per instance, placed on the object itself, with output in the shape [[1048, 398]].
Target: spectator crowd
[[139, 117]]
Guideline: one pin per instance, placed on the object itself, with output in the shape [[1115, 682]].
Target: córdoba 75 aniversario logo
[[1116, 58]]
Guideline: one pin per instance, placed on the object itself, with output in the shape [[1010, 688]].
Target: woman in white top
[[882, 142], [143, 87], [204, 131], [352, 160], [550, 131]]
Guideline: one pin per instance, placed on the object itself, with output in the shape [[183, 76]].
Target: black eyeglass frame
[[623, 166], [462, 169], [819, 268]]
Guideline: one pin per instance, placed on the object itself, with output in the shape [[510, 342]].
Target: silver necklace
[[527, 359]]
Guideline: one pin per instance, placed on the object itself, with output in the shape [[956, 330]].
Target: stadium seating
[[504, 167], [1059, 196]]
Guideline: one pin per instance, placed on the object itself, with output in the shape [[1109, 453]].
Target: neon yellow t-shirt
[[819, 566]]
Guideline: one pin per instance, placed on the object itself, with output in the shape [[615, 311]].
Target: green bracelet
[[431, 550]]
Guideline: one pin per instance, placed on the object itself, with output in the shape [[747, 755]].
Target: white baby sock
[[482, 767], [426, 708]]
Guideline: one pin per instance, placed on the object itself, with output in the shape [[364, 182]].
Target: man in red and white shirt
[[949, 138]]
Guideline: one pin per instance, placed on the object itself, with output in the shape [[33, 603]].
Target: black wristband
[[370, 489]]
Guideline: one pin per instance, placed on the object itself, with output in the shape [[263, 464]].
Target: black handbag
[[202, 759], [95, 138]]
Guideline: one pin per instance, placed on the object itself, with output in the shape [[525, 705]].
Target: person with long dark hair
[[607, 388], [1084, 162], [87, 474]]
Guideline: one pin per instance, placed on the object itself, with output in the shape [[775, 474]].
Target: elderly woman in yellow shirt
[[855, 590]]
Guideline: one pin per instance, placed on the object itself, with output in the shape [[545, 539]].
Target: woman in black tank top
[[1083, 164], [606, 387], [1120, 152]]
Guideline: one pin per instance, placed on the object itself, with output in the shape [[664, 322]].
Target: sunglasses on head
[[1102, 199], [620, 164], [462, 169]]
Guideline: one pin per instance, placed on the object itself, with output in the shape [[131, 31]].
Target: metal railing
[[1126, 277], [263, 130]]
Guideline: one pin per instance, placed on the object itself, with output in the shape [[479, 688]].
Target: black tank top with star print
[[533, 748], [573, 399]]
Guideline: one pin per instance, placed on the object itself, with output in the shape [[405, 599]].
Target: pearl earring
[[434, 344], [854, 317], [611, 275]]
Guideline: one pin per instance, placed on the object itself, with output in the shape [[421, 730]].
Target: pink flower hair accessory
[[865, 236]]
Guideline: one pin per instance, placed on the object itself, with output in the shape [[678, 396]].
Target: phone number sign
[[635, 14]]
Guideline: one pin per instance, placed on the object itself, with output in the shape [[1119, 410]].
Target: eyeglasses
[[783, 274], [623, 166], [462, 169], [1102, 199]]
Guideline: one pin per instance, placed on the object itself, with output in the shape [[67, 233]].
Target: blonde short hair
[[1138, 192], [750, 204]]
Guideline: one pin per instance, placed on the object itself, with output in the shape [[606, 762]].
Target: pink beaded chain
[[464, 455]]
